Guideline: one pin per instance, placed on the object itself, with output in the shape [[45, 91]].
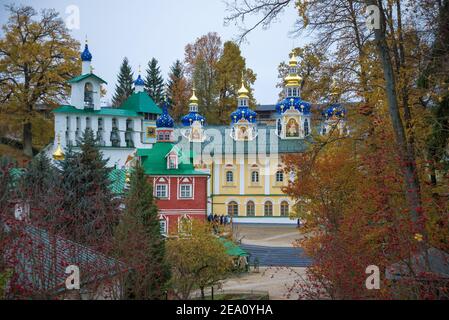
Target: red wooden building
[[181, 191]]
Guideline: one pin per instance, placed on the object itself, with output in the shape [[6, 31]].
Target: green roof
[[85, 76], [262, 144], [141, 102], [232, 249], [154, 161], [118, 180], [101, 112]]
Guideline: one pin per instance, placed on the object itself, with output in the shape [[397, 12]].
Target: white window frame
[[163, 227], [232, 176], [279, 176], [255, 177], [157, 191], [188, 195]]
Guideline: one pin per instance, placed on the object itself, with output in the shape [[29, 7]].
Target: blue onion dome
[[86, 55], [165, 120], [296, 102], [188, 119], [193, 115], [244, 113], [335, 110], [139, 81]]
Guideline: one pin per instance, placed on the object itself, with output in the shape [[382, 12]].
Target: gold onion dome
[[193, 98], [243, 92], [292, 79], [58, 154]]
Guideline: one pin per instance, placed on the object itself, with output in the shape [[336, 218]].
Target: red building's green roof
[[154, 161]]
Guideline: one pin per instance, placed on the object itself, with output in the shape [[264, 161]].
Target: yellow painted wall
[[252, 191]]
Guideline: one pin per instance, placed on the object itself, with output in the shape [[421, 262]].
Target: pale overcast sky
[[142, 29]]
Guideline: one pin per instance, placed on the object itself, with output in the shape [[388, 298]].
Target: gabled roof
[[142, 103], [155, 163], [85, 76]]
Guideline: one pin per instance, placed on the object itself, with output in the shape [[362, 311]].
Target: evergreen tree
[[177, 90], [89, 210], [154, 83], [139, 242], [38, 187], [125, 84]]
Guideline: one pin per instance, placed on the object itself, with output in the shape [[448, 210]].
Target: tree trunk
[[27, 139], [408, 165], [202, 294]]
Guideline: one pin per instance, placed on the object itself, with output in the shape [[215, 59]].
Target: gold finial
[[293, 61], [58, 154], [139, 68], [86, 39], [193, 98], [243, 92]]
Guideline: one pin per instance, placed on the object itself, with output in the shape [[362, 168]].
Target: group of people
[[221, 220]]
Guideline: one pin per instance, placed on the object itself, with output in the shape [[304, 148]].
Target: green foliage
[[125, 82], [139, 243], [88, 206], [197, 257], [4, 278], [154, 82]]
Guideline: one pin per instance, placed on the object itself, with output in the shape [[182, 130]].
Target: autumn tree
[[37, 57], [125, 84], [231, 67], [198, 259], [178, 90], [154, 82], [201, 58]]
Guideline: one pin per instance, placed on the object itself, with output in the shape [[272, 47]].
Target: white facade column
[[122, 129], [217, 170], [137, 129], [242, 176], [60, 129], [82, 125], [107, 126], [94, 125], [267, 177], [72, 129]]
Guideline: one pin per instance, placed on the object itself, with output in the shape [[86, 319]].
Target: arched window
[[88, 95], [115, 137], [88, 123], [284, 208], [306, 127], [229, 176], [250, 209], [279, 176], [233, 209], [255, 176], [128, 134], [268, 209], [185, 225]]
